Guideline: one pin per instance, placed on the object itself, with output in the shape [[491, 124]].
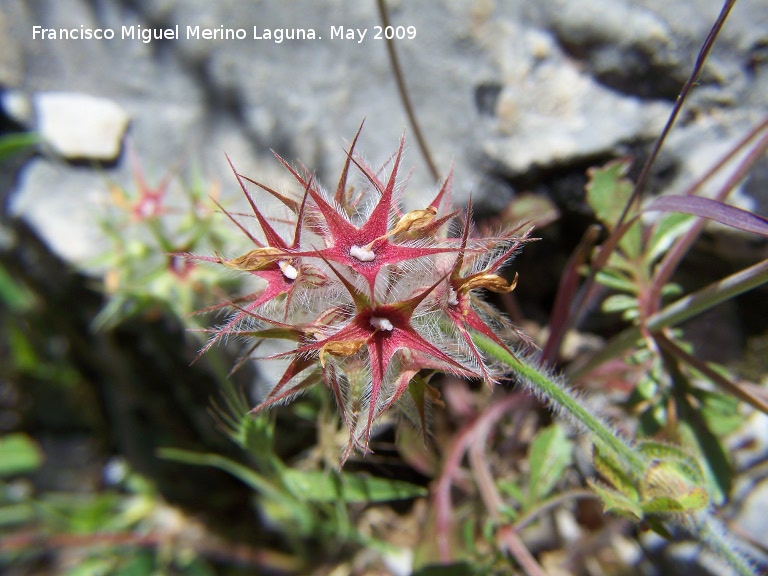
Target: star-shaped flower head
[[371, 298]]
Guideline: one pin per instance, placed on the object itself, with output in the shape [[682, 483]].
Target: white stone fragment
[[79, 125], [17, 105], [362, 254]]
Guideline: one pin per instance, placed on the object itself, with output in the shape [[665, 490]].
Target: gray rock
[[705, 140], [549, 113], [80, 126], [63, 205], [18, 106], [500, 85], [11, 57]]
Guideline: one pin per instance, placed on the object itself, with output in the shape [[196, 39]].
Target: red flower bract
[[373, 298]]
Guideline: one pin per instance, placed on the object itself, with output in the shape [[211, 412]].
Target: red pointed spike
[[455, 274], [445, 190], [273, 238], [329, 376], [378, 222], [226, 330], [292, 205], [277, 395], [300, 217], [504, 256], [342, 186], [375, 353], [412, 303], [361, 300], [337, 224], [290, 169], [251, 237], [368, 173]]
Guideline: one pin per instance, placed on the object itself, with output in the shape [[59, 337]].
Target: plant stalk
[[566, 402], [679, 311]]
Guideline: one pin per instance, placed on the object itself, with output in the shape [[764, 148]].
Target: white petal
[[362, 254]]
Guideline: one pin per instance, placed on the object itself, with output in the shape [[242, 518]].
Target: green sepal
[[616, 502]]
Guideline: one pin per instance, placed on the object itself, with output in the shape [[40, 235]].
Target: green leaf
[[317, 486], [512, 489], [652, 419], [79, 513], [619, 303], [468, 531], [616, 280], [11, 144], [712, 456], [632, 241], [614, 472], [93, 566], [254, 434], [668, 229], [508, 513], [608, 192], [671, 290], [696, 499], [244, 474], [278, 502], [19, 454], [549, 456], [138, 564], [16, 514], [616, 502], [619, 262], [720, 411], [662, 506], [674, 456], [658, 526], [14, 295]]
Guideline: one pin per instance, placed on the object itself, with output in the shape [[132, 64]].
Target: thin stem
[[566, 291], [563, 400], [481, 470], [744, 395], [687, 87], [507, 536], [586, 291], [710, 296], [403, 91], [681, 310], [681, 247], [714, 535], [551, 503], [460, 444], [206, 546]]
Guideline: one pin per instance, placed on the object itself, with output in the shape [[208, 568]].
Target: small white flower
[[362, 254], [381, 323]]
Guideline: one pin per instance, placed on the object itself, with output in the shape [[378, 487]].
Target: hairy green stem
[[711, 533], [702, 524], [564, 401]]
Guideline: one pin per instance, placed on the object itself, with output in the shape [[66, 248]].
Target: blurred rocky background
[[515, 94], [518, 96]]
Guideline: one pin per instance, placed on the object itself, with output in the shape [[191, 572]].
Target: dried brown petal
[[257, 259], [491, 282], [340, 348], [414, 220]]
